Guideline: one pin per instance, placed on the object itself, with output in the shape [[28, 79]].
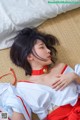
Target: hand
[[63, 80], [17, 116]]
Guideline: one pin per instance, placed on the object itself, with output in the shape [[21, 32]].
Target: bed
[[65, 26]]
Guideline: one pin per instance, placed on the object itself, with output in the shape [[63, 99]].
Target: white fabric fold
[[9, 101]]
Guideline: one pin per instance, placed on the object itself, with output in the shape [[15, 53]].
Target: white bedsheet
[[18, 14]]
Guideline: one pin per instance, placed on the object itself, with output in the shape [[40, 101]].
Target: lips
[[49, 56]]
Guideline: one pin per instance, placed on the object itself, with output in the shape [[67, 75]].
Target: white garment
[[43, 98], [77, 71], [9, 101]]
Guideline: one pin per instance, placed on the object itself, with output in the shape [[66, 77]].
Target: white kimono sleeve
[[37, 98], [9, 101]]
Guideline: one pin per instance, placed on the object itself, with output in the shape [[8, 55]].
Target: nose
[[48, 50]]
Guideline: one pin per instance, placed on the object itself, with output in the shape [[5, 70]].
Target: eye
[[42, 47]]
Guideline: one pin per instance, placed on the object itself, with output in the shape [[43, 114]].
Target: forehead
[[38, 42]]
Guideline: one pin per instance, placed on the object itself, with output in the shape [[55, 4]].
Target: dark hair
[[23, 44]]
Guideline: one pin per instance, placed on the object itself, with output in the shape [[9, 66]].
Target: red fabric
[[64, 69], [24, 106], [12, 73], [66, 112], [41, 71]]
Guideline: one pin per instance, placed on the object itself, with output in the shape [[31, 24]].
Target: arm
[[76, 78], [45, 118], [17, 116]]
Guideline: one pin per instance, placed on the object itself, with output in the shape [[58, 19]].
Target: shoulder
[[58, 68], [61, 65]]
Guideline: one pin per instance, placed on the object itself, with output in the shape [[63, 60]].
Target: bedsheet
[[18, 14]]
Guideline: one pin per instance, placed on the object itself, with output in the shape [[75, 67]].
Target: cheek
[[39, 52]]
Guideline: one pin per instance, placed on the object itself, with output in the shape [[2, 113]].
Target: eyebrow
[[41, 44]]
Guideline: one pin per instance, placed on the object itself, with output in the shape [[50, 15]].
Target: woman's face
[[40, 51]]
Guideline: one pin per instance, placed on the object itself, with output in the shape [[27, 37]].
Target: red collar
[[41, 71]]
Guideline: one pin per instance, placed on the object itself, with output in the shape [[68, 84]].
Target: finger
[[60, 87], [60, 81], [63, 87], [58, 75], [56, 82]]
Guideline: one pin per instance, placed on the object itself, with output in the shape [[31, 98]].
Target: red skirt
[[66, 112]]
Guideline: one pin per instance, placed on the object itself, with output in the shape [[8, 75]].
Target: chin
[[49, 62]]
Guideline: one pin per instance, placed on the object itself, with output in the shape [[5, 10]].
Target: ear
[[30, 57]]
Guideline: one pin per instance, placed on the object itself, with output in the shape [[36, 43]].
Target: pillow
[[18, 14]]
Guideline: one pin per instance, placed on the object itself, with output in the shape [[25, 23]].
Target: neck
[[40, 71]]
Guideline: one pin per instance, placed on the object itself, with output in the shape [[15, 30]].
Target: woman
[[51, 92]]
